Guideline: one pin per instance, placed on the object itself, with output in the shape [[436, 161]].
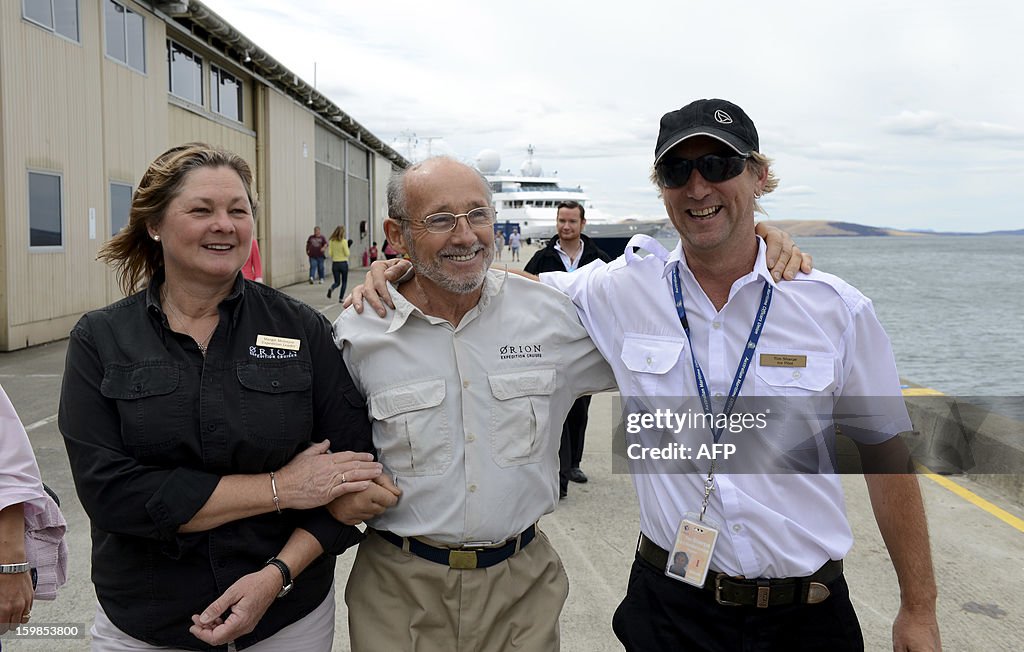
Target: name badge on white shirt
[[690, 556]]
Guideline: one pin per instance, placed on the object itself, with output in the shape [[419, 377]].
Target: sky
[[904, 114]]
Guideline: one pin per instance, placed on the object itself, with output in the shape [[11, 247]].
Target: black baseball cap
[[719, 119]]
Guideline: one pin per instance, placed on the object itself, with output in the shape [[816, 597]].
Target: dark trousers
[[570, 451], [662, 614], [340, 271]]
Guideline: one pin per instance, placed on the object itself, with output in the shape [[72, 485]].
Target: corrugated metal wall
[[67, 108], [290, 199]]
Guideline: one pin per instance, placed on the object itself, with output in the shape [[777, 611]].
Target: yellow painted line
[[921, 391], [974, 499]]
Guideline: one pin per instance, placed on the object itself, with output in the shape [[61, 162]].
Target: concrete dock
[[977, 534]]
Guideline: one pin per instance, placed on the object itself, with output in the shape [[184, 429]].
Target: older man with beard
[[467, 414]]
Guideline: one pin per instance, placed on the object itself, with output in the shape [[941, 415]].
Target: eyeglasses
[[674, 172], [445, 222]]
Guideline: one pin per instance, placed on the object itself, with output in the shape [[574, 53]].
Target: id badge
[[689, 559]]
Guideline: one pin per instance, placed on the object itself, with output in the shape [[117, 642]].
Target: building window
[[58, 16], [45, 225], [120, 205], [185, 73], [225, 93], [126, 38]]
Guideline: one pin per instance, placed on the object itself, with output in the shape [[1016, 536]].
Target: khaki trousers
[[402, 603]]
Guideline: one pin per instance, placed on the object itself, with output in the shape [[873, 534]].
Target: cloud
[[945, 127]]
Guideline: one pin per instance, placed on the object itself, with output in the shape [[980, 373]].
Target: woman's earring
[[156, 237]]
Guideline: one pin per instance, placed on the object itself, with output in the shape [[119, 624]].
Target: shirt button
[[716, 325], [471, 438], [465, 383], [472, 488], [796, 374], [275, 383], [137, 388], [211, 427], [718, 394], [737, 528], [649, 361]]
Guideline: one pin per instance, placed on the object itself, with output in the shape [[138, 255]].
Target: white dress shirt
[[771, 525], [468, 419]]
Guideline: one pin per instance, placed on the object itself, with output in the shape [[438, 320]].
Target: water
[[953, 306]]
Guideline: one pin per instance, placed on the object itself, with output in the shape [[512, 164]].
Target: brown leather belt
[[759, 592]]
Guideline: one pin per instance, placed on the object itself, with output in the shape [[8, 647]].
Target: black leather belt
[[464, 557], [759, 592]]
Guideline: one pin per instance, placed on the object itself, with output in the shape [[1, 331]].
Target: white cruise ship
[[529, 200]]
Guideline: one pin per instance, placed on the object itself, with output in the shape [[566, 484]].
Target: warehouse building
[[92, 90]]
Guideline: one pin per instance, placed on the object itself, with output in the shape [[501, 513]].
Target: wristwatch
[[13, 569], [286, 575]]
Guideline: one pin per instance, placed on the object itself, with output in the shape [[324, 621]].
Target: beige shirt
[[468, 419]]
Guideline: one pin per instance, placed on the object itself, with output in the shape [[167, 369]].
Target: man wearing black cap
[[765, 550]]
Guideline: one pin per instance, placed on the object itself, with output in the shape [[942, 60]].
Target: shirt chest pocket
[[649, 358], [520, 416], [411, 430], [152, 408], [276, 401], [795, 373]]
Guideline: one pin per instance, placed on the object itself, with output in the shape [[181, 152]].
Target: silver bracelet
[[11, 569], [273, 486]]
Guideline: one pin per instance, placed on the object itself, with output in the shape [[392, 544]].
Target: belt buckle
[[462, 559], [718, 592], [817, 592]]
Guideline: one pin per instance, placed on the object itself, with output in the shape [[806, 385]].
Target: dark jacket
[[548, 260], [151, 426]]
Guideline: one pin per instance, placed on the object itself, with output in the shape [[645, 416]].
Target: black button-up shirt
[[151, 426]]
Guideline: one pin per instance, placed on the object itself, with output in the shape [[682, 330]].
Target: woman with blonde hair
[[337, 247], [199, 414]]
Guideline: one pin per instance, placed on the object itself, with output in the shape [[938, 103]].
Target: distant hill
[[807, 228]]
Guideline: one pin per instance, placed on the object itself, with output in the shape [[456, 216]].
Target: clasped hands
[[351, 485]]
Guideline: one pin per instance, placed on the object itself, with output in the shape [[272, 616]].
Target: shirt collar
[[759, 272], [494, 281], [233, 301]]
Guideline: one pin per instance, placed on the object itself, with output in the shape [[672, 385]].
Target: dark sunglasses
[[674, 172]]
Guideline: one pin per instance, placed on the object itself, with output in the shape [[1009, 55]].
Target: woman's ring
[[342, 478], [25, 617]]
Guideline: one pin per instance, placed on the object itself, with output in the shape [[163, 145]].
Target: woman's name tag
[[689, 558]]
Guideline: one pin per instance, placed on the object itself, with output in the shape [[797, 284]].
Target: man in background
[[567, 251], [316, 250]]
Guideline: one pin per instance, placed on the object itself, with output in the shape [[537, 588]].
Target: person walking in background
[[373, 255], [316, 249], [567, 251], [515, 241], [337, 247], [33, 554], [198, 415], [499, 244], [253, 268]]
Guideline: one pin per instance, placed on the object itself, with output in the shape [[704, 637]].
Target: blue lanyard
[[748, 351]]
